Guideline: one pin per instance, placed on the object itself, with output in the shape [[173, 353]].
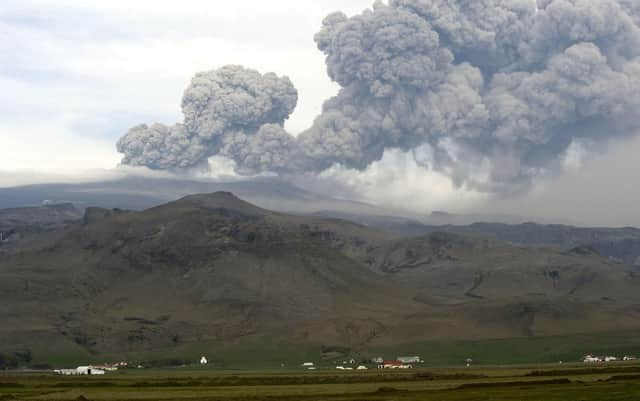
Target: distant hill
[[138, 193], [17, 223], [620, 244], [214, 269]]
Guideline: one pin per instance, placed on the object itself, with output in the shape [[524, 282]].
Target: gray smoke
[[231, 102], [270, 149], [492, 93]]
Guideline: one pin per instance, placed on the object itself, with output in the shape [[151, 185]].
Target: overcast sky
[[75, 75]]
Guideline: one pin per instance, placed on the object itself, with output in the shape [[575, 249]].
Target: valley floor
[[549, 383]]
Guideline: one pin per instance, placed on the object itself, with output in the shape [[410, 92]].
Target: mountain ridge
[[215, 269]]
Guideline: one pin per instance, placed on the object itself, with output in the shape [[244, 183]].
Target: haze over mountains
[[213, 269], [138, 193]]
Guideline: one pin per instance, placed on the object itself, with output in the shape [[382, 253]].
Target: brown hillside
[[213, 268]]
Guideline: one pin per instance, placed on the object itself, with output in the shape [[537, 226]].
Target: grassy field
[[268, 353], [612, 382]]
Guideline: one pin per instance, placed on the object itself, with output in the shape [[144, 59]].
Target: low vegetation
[[520, 383]]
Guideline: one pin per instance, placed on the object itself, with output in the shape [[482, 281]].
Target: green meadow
[[269, 354], [503, 369], [571, 382]]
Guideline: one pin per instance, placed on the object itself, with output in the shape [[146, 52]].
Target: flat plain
[[619, 381]]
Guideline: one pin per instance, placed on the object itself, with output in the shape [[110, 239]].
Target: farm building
[[81, 371], [394, 365], [409, 359], [107, 367], [591, 359]]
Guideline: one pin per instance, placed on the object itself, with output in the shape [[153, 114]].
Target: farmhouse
[[409, 359], [81, 371], [107, 367], [394, 365], [598, 359]]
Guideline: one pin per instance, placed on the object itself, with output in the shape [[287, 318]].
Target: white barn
[[409, 359], [81, 371]]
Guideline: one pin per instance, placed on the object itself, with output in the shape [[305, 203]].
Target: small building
[[81, 371], [409, 359], [107, 367], [394, 365]]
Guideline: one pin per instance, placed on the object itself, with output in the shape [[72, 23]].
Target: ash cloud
[[218, 106], [492, 93]]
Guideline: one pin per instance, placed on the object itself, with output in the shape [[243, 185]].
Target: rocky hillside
[[619, 244], [17, 223], [215, 269]]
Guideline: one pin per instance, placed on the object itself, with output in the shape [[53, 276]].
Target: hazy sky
[[75, 75]]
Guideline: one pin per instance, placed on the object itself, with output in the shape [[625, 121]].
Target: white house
[[107, 367], [409, 359], [81, 371]]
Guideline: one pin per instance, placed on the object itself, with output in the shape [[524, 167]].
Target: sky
[[76, 75]]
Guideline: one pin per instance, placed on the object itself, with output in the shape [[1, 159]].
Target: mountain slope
[[215, 269], [137, 193], [17, 223], [619, 244]]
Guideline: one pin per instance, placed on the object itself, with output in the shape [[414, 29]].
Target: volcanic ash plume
[[493, 93], [219, 107]]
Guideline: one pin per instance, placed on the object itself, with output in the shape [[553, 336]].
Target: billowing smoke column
[[491, 92], [232, 111]]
